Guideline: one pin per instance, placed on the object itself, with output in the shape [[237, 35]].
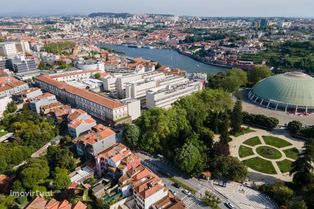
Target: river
[[167, 57]]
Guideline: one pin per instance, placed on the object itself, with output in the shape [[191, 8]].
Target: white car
[[186, 192], [229, 205]]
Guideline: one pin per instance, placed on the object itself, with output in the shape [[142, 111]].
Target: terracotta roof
[[11, 85], [99, 133], [37, 203], [77, 122], [75, 113], [90, 96], [79, 205]]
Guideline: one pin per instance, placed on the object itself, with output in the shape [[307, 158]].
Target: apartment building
[[147, 189], [46, 109], [79, 122], [115, 161], [99, 139], [27, 94], [8, 49], [44, 99], [10, 86], [100, 107], [166, 96]]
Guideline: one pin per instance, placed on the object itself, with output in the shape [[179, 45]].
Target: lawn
[[252, 141], [242, 132], [268, 152], [261, 165], [245, 151], [284, 166], [276, 142], [292, 153], [184, 186]]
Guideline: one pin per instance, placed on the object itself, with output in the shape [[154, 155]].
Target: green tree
[[97, 75], [100, 204], [236, 117], [297, 205], [61, 179], [279, 192], [12, 107], [211, 200], [35, 173], [60, 157], [302, 168], [224, 130], [17, 186], [228, 168], [258, 73], [131, 135], [294, 127], [234, 79], [190, 158]]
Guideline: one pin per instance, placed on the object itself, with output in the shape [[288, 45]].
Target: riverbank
[[170, 57]]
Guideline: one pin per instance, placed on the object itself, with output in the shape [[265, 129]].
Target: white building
[[8, 49], [166, 96], [90, 65], [23, 47], [4, 101], [45, 99], [73, 75]]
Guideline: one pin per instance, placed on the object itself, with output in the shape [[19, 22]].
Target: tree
[[131, 135], [302, 168], [189, 157], [36, 171], [234, 79], [221, 149], [294, 127], [61, 179], [97, 75], [228, 168], [60, 157], [279, 192], [297, 205], [100, 204], [211, 200], [236, 117], [258, 73], [224, 130], [12, 107]]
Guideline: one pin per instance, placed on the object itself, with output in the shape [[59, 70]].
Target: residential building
[[46, 109], [10, 86], [23, 46], [8, 49], [169, 202], [27, 94], [166, 96], [97, 140], [147, 189], [115, 161], [45, 99], [100, 107], [79, 122], [41, 203]]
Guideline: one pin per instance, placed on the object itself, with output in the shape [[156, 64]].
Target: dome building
[[289, 92]]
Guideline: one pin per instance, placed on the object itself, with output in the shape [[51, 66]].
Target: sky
[[209, 8]]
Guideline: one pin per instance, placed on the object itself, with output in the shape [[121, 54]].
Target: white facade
[[142, 203], [165, 97], [23, 46], [134, 107], [8, 49], [91, 65], [4, 101], [74, 75], [110, 83]]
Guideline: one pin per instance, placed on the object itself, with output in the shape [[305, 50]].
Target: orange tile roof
[[99, 133], [90, 96], [79, 205], [75, 113], [37, 203], [77, 122]]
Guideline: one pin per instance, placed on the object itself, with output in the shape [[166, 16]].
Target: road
[[200, 186]]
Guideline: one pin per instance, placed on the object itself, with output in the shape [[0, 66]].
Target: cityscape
[[136, 109]]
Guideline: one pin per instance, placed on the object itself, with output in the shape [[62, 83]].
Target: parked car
[[176, 185], [229, 205], [186, 192]]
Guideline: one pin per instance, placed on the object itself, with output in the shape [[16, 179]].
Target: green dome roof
[[294, 88]]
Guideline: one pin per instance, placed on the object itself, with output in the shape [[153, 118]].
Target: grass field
[[245, 151], [276, 142], [268, 152], [292, 153], [242, 132], [284, 166], [252, 141], [260, 165]]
